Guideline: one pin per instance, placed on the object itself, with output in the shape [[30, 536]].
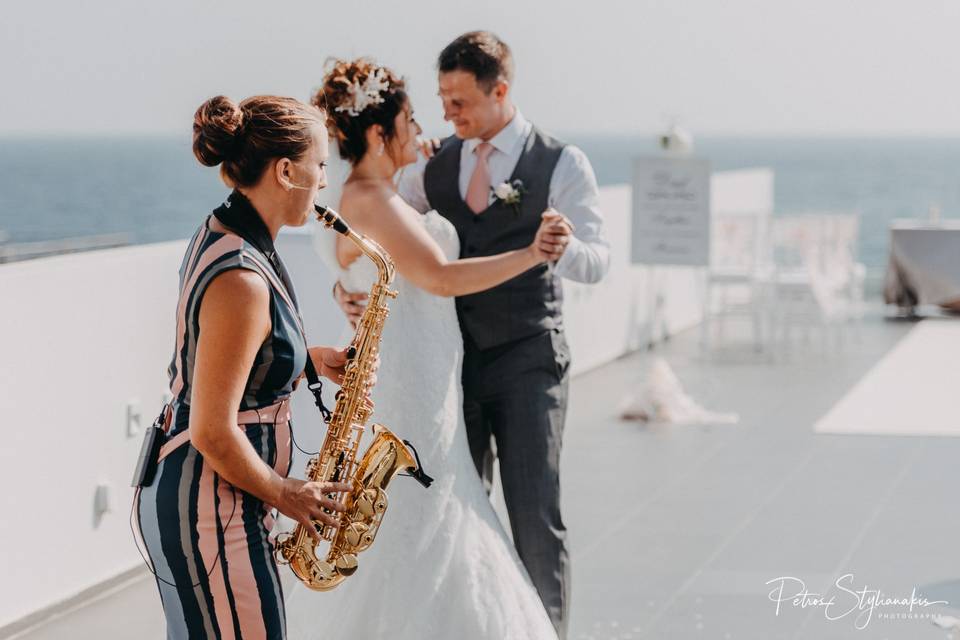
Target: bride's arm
[[398, 229]]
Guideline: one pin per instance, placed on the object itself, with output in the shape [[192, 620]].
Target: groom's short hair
[[481, 53]]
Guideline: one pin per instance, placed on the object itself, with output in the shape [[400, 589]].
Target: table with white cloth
[[924, 264]]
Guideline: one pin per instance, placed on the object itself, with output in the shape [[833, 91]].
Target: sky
[[718, 67]]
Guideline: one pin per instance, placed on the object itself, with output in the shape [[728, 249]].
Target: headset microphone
[[290, 185]]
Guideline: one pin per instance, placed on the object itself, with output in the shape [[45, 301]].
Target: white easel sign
[[671, 211]]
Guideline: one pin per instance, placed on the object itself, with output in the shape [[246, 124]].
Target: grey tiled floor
[[674, 531], [691, 522]]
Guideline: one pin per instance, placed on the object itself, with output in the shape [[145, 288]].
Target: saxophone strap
[[316, 388], [418, 474]]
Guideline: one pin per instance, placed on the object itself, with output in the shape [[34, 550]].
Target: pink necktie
[[478, 191]]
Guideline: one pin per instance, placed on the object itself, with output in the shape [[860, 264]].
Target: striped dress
[[207, 541]]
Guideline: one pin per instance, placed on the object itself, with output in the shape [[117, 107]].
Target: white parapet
[[86, 339], [82, 337]]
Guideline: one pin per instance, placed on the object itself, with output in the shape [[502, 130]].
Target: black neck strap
[[316, 388], [238, 214]]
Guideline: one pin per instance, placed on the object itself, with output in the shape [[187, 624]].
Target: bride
[[442, 565]]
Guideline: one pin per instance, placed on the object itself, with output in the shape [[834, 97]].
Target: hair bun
[[217, 126]]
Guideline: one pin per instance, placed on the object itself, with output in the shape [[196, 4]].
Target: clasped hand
[[553, 236]]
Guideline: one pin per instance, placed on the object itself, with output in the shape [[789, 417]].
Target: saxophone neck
[[369, 247], [379, 256]]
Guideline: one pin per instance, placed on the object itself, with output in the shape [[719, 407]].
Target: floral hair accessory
[[367, 93]]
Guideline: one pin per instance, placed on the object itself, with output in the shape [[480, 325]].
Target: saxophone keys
[[283, 551], [381, 503], [355, 533], [366, 502], [347, 564], [323, 571]]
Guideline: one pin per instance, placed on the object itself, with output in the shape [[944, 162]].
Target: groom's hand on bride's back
[[428, 146], [352, 304]]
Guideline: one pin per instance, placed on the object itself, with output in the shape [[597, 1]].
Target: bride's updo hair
[[246, 137], [338, 97]]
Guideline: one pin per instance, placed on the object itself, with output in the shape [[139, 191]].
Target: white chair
[[815, 280], [733, 284], [842, 238]]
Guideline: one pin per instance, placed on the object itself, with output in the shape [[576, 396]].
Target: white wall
[[80, 335], [609, 319]]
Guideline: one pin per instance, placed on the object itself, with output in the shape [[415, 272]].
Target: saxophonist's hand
[[331, 363], [310, 502]]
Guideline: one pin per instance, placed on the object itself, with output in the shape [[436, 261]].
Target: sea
[[153, 189]]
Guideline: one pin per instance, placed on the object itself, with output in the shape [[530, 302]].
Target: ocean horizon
[[151, 187]]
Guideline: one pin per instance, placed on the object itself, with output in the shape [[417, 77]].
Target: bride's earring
[[380, 150]]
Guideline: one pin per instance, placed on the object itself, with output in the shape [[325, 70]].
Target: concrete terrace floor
[[689, 523], [675, 530]]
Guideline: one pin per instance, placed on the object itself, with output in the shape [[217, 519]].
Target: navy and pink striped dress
[[208, 542]]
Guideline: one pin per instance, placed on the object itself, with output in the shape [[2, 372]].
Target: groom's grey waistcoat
[[531, 302]]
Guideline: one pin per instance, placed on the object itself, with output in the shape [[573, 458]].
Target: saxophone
[[337, 460]]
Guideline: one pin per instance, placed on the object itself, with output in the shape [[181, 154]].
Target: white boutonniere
[[510, 193]]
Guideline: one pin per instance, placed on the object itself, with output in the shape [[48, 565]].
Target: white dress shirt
[[573, 192]]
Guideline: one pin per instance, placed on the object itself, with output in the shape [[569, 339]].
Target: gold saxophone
[[337, 460]]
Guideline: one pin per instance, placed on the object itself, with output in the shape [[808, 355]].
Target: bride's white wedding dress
[[442, 566]]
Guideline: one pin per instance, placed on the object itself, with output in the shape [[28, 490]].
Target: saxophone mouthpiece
[[329, 218]]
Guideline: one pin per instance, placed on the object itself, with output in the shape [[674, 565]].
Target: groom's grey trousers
[[515, 395], [516, 358]]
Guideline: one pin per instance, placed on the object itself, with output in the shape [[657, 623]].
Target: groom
[[516, 358]]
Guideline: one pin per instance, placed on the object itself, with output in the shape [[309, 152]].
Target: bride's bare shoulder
[[369, 203], [362, 200]]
